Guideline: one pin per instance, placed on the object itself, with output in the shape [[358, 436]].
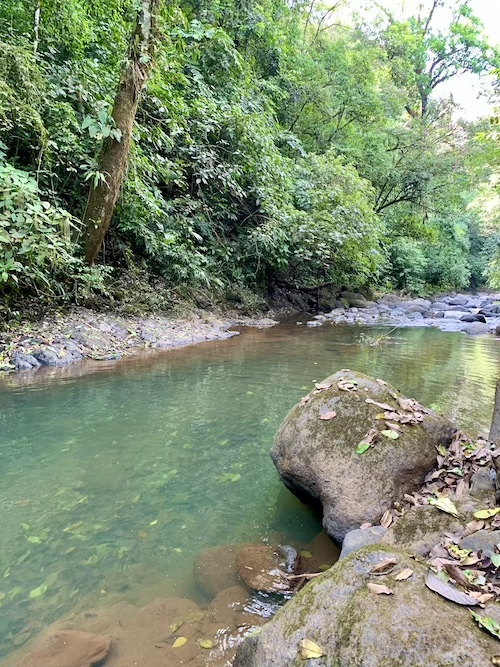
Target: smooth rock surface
[[361, 537], [317, 459], [69, 648], [354, 627]]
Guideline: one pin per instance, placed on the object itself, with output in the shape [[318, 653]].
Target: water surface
[[114, 476]]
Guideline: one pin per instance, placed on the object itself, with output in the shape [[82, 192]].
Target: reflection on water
[[116, 475]]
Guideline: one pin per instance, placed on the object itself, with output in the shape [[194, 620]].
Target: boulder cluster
[[472, 314], [412, 502]]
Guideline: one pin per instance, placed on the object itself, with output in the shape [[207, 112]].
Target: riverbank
[[80, 334]]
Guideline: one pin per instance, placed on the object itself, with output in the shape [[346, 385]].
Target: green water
[[114, 476]]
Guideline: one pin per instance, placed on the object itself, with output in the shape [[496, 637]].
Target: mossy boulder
[[412, 627], [317, 457]]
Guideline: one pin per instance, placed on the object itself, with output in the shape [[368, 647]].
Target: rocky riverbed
[[85, 334], [472, 314]]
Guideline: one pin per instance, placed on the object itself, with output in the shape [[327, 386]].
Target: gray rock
[[439, 305], [390, 299], [54, 356], [355, 299], [473, 318], [317, 459], [415, 316], [414, 627], [416, 308], [482, 540], [359, 538], [25, 362], [459, 301], [438, 314], [454, 314], [483, 485], [487, 313], [476, 328]]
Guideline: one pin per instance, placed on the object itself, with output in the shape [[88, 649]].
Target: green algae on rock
[[414, 627], [319, 459]]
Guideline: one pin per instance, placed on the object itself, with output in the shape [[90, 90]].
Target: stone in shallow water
[[262, 569], [68, 648]]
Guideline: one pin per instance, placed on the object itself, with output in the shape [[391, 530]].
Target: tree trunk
[[114, 155], [495, 422]]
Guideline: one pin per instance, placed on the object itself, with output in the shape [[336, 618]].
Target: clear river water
[[115, 475]]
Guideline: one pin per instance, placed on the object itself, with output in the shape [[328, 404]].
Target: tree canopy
[[262, 144]]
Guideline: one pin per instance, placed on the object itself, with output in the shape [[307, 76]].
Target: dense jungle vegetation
[[232, 146]]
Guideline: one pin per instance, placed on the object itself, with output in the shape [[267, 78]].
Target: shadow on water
[[116, 475]]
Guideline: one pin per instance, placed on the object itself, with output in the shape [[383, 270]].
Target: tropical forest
[[249, 333]]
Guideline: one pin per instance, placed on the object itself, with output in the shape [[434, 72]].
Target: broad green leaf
[[180, 641], [38, 592], [362, 447], [309, 649], [488, 623], [444, 504], [392, 435], [486, 514], [206, 643], [495, 559]]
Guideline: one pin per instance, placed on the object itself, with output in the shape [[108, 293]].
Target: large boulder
[[318, 457], [410, 627]]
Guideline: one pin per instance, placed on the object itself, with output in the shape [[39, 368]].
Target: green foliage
[[268, 147], [35, 239]]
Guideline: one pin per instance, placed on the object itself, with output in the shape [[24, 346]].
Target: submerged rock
[[411, 627], [265, 568], [319, 459], [68, 648]]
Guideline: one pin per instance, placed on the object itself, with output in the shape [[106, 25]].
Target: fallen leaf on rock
[[495, 660], [379, 589], [326, 416], [446, 591], [482, 597], [392, 435], [366, 525], [383, 406], [444, 504], [309, 649], [384, 567], [404, 574], [486, 514], [392, 426], [205, 643], [386, 519], [180, 641], [487, 623], [344, 385], [322, 385], [362, 447]]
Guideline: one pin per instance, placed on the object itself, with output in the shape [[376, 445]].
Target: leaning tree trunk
[[114, 154], [495, 422]]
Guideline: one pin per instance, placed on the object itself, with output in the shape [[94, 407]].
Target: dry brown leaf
[[365, 525], [323, 385], [326, 416], [393, 426], [472, 527], [309, 649], [386, 519], [495, 660], [384, 567], [345, 385], [447, 591], [383, 406], [379, 589], [404, 574]]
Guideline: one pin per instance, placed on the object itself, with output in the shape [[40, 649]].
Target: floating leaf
[[180, 641], [205, 643], [444, 504], [386, 519], [487, 623], [306, 554], [384, 566], [392, 435], [324, 567], [447, 591], [34, 539], [362, 447], [380, 589], [404, 574], [153, 523], [331, 414], [486, 514], [309, 649]]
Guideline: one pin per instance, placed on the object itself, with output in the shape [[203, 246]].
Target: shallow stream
[[115, 475]]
